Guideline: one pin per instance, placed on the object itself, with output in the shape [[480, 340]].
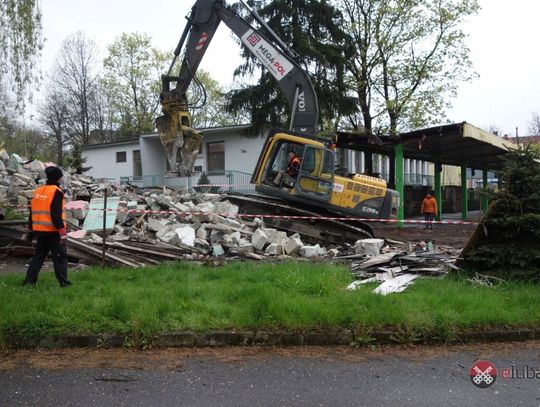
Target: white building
[[228, 156]]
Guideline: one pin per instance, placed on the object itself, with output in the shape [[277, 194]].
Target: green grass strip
[[245, 296]]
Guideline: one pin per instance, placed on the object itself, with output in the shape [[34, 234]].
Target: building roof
[[112, 144], [456, 144], [452, 144]]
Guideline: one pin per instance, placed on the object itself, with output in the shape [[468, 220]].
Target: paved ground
[[391, 376]]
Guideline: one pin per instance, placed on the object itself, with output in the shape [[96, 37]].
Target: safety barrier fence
[[247, 215], [229, 180]]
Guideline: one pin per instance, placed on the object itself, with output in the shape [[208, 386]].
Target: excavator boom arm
[[203, 22]]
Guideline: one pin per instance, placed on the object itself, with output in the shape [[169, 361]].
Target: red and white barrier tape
[[246, 215]]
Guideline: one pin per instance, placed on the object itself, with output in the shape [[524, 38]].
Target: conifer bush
[[510, 246]]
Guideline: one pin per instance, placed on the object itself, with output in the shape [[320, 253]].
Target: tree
[[207, 102], [54, 116], [102, 115], [76, 161], [509, 246], [132, 71], [534, 125], [410, 56], [312, 29], [75, 76], [20, 42]]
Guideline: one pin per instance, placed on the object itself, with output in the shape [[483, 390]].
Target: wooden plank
[[87, 248], [147, 252]]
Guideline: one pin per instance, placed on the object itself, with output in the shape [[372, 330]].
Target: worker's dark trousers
[[59, 256]]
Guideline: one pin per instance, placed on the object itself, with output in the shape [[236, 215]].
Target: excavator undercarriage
[[330, 229]]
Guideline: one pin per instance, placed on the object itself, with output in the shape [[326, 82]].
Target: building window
[[215, 157], [121, 157], [137, 163]]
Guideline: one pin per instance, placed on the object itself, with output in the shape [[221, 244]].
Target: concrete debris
[[147, 226], [396, 268], [186, 235], [312, 251], [259, 239], [194, 225], [274, 249], [369, 247], [293, 245], [395, 284]]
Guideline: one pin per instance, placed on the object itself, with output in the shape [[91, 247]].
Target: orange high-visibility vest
[[429, 205], [291, 170], [41, 209]]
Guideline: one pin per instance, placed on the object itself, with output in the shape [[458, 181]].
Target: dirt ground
[[455, 236], [173, 358]]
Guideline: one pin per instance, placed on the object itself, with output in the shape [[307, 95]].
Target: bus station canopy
[[450, 144]]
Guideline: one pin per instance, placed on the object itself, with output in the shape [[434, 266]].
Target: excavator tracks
[[325, 231]]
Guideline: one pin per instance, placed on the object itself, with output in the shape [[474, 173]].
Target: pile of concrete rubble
[[148, 226]]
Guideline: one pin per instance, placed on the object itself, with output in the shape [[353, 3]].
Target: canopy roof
[[452, 144]]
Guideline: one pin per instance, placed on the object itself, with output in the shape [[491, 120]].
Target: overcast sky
[[502, 38]]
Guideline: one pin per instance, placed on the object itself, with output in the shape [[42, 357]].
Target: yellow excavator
[[315, 189]]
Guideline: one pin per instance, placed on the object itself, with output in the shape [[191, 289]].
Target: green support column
[[438, 188], [485, 200], [464, 197], [398, 150]]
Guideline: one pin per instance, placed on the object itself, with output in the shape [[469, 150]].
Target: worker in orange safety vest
[[429, 209], [48, 225], [288, 176]]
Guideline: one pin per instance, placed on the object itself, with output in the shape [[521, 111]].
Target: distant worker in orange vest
[[429, 209], [48, 225], [288, 176]]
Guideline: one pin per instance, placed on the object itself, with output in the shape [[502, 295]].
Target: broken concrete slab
[[293, 245], [94, 219], [370, 247], [217, 250], [312, 251], [155, 225], [226, 209], [77, 209], [170, 237], [186, 235], [203, 212], [274, 249], [259, 239]]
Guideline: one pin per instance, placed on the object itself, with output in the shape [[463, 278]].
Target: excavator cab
[[314, 178], [316, 175], [316, 185]]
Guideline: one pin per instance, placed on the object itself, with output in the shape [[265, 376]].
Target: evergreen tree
[[511, 244], [312, 29]]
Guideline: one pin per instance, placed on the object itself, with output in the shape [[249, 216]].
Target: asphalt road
[[426, 376]]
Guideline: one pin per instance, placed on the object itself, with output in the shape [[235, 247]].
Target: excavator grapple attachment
[[181, 143]]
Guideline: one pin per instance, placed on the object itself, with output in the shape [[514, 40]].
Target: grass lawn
[[253, 295]]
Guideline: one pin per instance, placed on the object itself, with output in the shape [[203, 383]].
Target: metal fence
[[228, 181]]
